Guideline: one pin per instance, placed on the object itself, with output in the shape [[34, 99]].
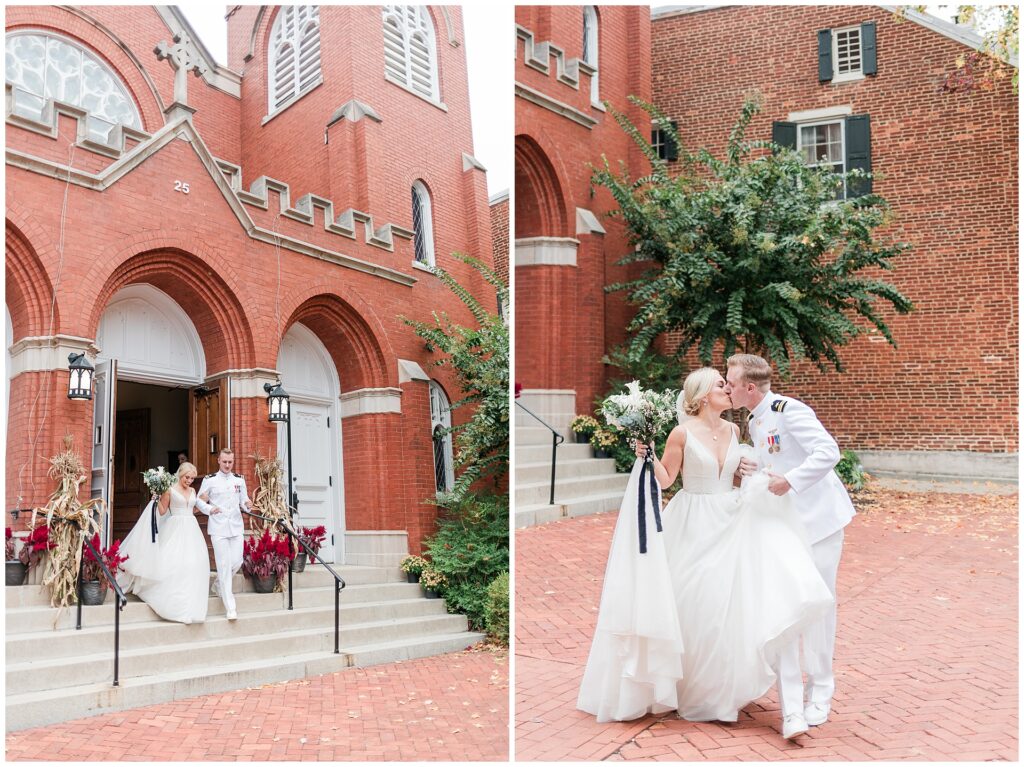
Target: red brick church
[[945, 401], [200, 230]]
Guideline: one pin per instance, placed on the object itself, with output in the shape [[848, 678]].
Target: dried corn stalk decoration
[[69, 521], [269, 497]]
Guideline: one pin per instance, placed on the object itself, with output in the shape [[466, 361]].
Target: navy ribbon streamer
[[655, 504], [152, 517]]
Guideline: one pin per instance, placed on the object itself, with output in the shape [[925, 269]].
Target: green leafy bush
[[470, 549], [851, 471], [496, 610]]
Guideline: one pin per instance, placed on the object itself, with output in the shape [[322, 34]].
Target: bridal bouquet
[[158, 480], [640, 414]]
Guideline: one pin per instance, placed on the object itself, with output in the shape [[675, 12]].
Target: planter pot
[[600, 452], [431, 594], [15, 572], [299, 563], [412, 577], [581, 437], [264, 585], [93, 592]]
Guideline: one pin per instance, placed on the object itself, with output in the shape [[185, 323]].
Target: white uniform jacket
[[790, 440], [226, 492]]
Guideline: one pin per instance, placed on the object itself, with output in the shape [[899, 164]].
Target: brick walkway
[[926, 655], [447, 708]]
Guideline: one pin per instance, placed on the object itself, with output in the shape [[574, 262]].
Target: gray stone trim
[[449, 27], [571, 113], [230, 187], [470, 162], [371, 401], [247, 383], [354, 110], [587, 223], [941, 464], [47, 353], [538, 56], [411, 371], [220, 77], [497, 197], [545, 251]]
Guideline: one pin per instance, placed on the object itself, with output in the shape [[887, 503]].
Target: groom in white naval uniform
[[799, 455], [221, 497]]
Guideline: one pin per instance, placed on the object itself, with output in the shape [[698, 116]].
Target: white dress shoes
[[793, 725], [817, 713], [233, 616]]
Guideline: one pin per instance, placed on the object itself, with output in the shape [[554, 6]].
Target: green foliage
[[496, 611], [851, 471], [652, 369], [479, 358], [752, 252], [470, 549]]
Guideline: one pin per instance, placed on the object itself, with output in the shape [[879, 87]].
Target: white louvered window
[[590, 49], [410, 50], [294, 55], [422, 225], [41, 66]]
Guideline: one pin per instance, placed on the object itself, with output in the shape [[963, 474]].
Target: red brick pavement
[[926, 653], [446, 708]]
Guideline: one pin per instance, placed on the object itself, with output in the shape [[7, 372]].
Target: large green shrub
[[496, 610], [470, 549]]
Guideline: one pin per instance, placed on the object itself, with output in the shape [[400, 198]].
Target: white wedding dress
[[171, 575], [732, 574]]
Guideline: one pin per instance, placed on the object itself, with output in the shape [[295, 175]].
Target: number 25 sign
[[181, 186]]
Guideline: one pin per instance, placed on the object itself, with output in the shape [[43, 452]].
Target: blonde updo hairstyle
[[184, 469], [696, 387]]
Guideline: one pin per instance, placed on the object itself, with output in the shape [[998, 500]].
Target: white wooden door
[[104, 400], [312, 476]]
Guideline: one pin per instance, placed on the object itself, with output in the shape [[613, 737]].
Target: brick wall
[[948, 165], [242, 294], [564, 321], [499, 235]]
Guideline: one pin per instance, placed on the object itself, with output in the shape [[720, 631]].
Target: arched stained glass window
[[410, 49], [294, 55], [42, 66], [422, 224]]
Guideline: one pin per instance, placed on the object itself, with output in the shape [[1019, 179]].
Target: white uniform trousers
[[819, 640], [227, 552]]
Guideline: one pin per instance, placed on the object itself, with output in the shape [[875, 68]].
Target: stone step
[[567, 451], [566, 491], [33, 709], [198, 653], [160, 633], [539, 514], [43, 617], [529, 473], [534, 435]]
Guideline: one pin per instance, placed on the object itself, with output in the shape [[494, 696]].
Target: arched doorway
[[310, 378], [148, 389]]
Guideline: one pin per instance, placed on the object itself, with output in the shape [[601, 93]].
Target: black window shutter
[[824, 55], [784, 134], [858, 153], [869, 60]]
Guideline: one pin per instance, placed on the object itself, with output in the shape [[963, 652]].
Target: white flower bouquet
[[158, 480], [640, 414]]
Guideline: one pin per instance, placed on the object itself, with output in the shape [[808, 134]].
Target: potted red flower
[[34, 547], [265, 560], [313, 537], [94, 580]]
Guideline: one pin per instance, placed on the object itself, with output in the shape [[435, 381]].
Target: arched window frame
[[296, 28], [412, 67], [441, 438], [591, 50], [422, 225], [30, 102]]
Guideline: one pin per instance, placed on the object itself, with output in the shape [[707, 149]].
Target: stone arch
[[29, 291], [352, 336], [540, 199], [215, 311]]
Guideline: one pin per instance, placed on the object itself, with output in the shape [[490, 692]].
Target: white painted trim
[[587, 223], [848, 76], [554, 105], [809, 115], [411, 371], [497, 197], [41, 354], [370, 401], [546, 251], [247, 383]]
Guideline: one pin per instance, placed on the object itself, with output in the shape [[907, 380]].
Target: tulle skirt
[[171, 575], [745, 585]]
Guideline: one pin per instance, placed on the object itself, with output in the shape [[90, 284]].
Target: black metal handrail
[[339, 582], [119, 602], [556, 440]]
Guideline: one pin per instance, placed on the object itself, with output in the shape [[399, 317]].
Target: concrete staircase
[[57, 673], [583, 484]]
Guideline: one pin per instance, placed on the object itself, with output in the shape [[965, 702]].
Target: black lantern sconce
[[80, 374]]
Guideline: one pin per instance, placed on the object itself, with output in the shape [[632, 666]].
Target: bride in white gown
[[172, 573], [695, 624]]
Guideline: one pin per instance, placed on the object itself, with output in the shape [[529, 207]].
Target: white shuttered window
[[410, 51], [294, 55]]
